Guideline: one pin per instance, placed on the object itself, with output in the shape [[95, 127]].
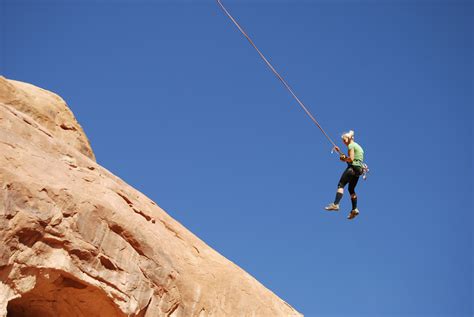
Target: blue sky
[[178, 104]]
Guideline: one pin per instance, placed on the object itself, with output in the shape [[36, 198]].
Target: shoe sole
[[352, 216]]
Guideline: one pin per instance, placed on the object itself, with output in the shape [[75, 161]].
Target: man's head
[[348, 137]]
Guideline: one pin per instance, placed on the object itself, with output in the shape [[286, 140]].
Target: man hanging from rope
[[355, 168], [355, 157]]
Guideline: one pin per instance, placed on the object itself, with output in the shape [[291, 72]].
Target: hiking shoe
[[332, 206], [354, 213]]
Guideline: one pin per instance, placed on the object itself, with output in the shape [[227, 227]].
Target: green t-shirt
[[358, 153]]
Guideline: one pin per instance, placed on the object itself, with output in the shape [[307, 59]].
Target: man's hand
[[343, 157], [337, 149]]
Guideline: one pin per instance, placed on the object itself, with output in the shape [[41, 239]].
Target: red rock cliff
[[76, 240]]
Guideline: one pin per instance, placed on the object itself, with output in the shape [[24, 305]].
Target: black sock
[[338, 198], [354, 202]]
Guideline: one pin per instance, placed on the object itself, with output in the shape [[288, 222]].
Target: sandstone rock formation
[[75, 240], [46, 109]]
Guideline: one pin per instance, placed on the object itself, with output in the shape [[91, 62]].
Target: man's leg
[[340, 190]]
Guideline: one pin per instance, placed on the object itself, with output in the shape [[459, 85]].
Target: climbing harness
[[364, 168], [277, 74]]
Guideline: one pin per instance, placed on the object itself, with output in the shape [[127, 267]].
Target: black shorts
[[351, 175]]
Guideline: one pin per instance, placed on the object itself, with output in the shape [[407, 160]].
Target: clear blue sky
[[177, 103]]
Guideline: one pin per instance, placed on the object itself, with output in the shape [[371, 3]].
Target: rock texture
[[75, 240], [47, 110]]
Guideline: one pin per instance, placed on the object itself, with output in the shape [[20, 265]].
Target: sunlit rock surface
[[76, 240]]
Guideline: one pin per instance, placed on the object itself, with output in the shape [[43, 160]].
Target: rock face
[[75, 240], [47, 110]]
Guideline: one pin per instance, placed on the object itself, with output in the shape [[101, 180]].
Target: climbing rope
[[278, 75]]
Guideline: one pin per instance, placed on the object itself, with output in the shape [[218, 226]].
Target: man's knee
[[353, 195]]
